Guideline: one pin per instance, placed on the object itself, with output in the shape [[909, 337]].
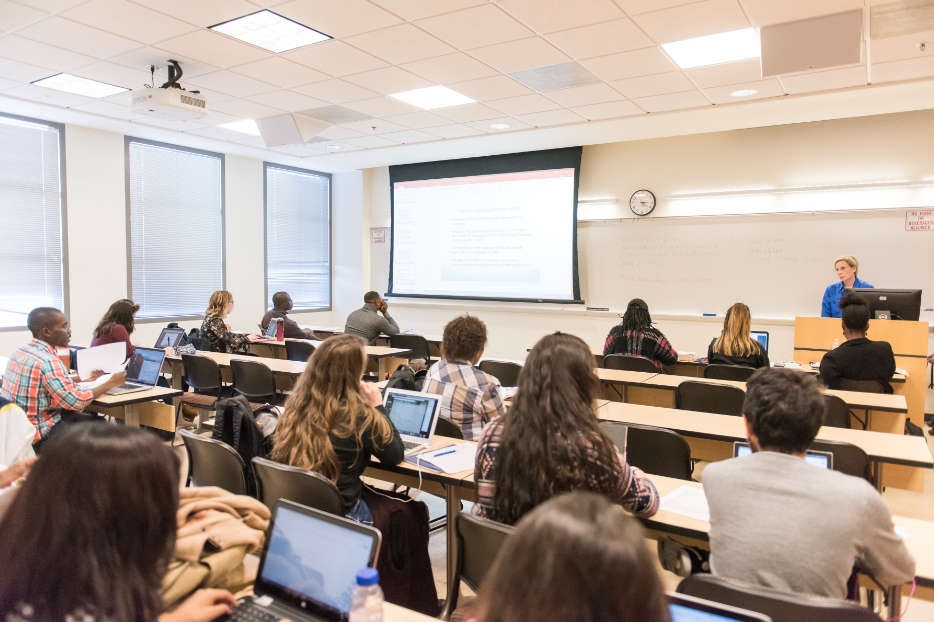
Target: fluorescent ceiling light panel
[[500, 126], [432, 97], [247, 126], [744, 92], [725, 47], [270, 31], [79, 86]]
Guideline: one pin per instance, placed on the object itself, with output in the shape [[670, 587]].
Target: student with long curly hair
[[635, 336], [550, 441], [117, 325], [735, 345]]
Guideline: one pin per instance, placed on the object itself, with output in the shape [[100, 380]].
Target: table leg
[[877, 477], [131, 415], [895, 601], [178, 373], [381, 362], [452, 498]]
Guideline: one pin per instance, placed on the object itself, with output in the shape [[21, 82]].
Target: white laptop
[[415, 415], [142, 371]]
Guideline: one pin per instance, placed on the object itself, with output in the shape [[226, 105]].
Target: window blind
[[30, 219], [298, 236], [176, 229]]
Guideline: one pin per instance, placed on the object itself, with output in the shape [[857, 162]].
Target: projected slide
[[508, 235]]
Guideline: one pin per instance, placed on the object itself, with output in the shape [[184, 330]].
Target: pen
[[443, 454]]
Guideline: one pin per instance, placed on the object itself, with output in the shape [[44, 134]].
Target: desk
[[139, 408], [625, 385], [284, 371], [386, 358]]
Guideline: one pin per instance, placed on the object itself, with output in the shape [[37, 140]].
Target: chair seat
[[207, 401]]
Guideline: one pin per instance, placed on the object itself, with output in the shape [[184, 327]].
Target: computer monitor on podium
[[891, 304]]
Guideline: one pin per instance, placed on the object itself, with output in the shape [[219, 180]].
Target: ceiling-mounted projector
[[170, 101]]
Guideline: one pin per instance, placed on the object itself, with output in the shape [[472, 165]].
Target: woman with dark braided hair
[[635, 336]]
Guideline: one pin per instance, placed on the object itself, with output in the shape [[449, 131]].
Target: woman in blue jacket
[[847, 267]]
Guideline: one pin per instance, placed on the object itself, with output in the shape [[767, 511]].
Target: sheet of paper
[[93, 384], [687, 501], [105, 358], [508, 392], [899, 370], [411, 331], [453, 458]]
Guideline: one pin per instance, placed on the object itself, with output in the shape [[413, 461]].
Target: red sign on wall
[[379, 236], [919, 221]]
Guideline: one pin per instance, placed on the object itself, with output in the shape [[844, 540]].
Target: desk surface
[[373, 351], [278, 366], [617, 376], [136, 397], [463, 479]]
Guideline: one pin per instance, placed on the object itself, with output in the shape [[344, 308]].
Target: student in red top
[[117, 325]]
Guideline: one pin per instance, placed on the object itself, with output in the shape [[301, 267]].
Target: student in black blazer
[[858, 358]]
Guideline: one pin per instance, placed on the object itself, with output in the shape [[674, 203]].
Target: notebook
[[142, 371], [415, 415], [822, 459], [683, 608]]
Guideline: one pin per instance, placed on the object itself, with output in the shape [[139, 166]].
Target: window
[[175, 198], [32, 218], [298, 236]]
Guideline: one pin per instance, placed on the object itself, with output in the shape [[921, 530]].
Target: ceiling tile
[[901, 47], [584, 95], [477, 27], [335, 91], [419, 120], [410, 136], [826, 80], [338, 19], [763, 88], [412, 10], [7, 84], [382, 107], [630, 64], [221, 133], [47, 96], [454, 131], [339, 132], [634, 7], [215, 49], [609, 110], [371, 142], [181, 126], [78, 38], [468, 112], [374, 126], [553, 117], [128, 20], [108, 109], [484, 126], [903, 70], [22, 72], [518, 55], [620, 35], [112, 73], [289, 101], [526, 104], [14, 15], [202, 13], [54, 6], [765, 12], [138, 59], [400, 44], [673, 101], [253, 141], [659, 84], [344, 147], [388, 80], [552, 15], [232, 84], [245, 109], [283, 73], [299, 151], [451, 68], [726, 73], [36, 53], [335, 58], [486, 89], [709, 17], [217, 118]]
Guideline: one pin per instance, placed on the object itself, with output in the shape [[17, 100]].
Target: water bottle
[[836, 344], [366, 602]]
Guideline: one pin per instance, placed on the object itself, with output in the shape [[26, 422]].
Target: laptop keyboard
[[129, 385], [410, 445], [247, 612]]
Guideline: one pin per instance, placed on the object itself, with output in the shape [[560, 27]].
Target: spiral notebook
[[449, 459]]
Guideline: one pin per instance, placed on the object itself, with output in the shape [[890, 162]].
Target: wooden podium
[[815, 335]]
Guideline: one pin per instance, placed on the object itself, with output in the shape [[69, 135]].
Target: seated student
[[217, 332], [366, 321], [575, 557], [117, 325], [635, 336], [36, 380], [735, 346], [777, 521], [333, 422], [550, 441], [115, 491], [472, 398], [16, 434], [282, 303], [858, 358]]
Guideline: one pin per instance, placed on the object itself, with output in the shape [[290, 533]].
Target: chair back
[[447, 428], [478, 543], [416, 343], [299, 351], [728, 372], [780, 606], [625, 362], [202, 373], [847, 458], [656, 451], [709, 397], [861, 386], [507, 373], [836, 412], [73, 356], [213, 463], [253, 379], [276, 481]]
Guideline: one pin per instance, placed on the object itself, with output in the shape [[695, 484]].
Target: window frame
[[63, 193], [127, 140], [330, 178]]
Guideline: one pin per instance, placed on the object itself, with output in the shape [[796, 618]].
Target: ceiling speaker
[[289, 129], [816, 43]]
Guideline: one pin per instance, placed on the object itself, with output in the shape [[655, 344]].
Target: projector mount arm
[[175, 74]]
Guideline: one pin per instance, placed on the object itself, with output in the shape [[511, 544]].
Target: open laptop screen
[[684, 608], [169, 337], [762, 337], [411, 413], [822, 459], [145, 366]]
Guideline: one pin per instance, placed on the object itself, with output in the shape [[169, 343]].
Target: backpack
[[235, 425], [200, 343], [406, 379]]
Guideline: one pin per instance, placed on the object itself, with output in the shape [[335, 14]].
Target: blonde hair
[[735, 340], [850, 261], [218, 303], [327, 400]]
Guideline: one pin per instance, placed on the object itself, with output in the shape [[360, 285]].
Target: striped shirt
[[649, 343], [471, 397]]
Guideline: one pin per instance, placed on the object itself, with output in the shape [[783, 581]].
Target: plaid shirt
[[650, 343], [471, 397], [36, 381]]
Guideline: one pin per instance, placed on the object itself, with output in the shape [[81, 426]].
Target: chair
[[506, 373], [656, 451], [847, 458], [728, 372], [416, 343], [299, 351], [213, 463], [447, 428], [253, 379], [709, 397], [73, 356], [780, 606], [478, 542], [626, 362], [861, 386], [836, 412], [276, 481]]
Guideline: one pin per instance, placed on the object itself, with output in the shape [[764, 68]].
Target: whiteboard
[[779, 265]]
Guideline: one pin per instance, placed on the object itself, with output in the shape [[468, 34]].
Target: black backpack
[[406, 379], [235, 424]]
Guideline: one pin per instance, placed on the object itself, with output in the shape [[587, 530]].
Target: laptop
[[683, 608], [415, 415], [169, 337], [142, 371], [762, 337], [309, 566], [822, 459]]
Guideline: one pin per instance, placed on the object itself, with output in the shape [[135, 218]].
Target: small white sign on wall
[[919, 220], [379, 235]]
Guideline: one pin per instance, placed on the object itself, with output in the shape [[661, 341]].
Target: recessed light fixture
[[725, 47], [500, 126], [432, 97], [79, 86], [744, 92], [334, 147], [270, 31], [246, 126]]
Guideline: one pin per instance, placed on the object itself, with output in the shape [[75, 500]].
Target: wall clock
[[642, 202]]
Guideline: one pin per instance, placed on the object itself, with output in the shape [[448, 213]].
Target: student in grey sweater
[[777, 521], [367, 321]]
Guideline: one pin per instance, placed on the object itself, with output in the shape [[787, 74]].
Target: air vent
[[193, 101], [901, 18], [335, 114], [555, 77]]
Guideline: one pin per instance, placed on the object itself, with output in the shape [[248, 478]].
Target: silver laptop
[[822, 459], [415, 415], [142, 371], [683, 608]]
